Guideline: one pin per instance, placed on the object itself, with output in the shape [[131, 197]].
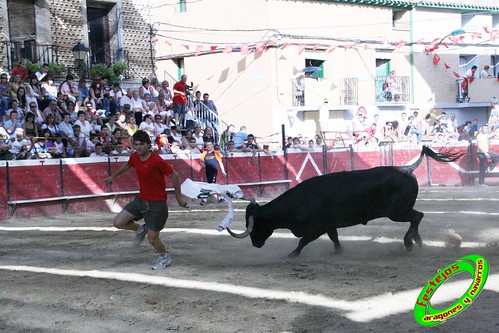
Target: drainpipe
[[411, 54]]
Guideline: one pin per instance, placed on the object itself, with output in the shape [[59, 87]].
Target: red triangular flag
[[244, 49], [285, 45], [213, 48], [316, 46], [419, 42], [476, 35], [400, 44], [259, 46], [436, 59], [493, 35], [270, 43], [186, 46], [198, 50], [446, 66], [167, 42], [301, 48], [349, 46], [457, 75], [331, 48], [445, 44], [227, 49]]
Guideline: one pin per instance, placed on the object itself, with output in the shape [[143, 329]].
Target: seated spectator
[[21, 70], [208, 136], [98, 152], [240, 137], [198, 136], [12, 124], [40, 150], [120, 150], [20, 146], [84, 93], [250, 144], [389, 132], [69, 89], [29, 126], [59, 149]]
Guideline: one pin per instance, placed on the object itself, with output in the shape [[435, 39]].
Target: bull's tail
[[444, 157]]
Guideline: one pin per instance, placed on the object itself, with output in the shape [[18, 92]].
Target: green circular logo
[[426, 315]]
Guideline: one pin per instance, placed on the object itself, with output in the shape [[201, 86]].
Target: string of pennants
[[261, 46]]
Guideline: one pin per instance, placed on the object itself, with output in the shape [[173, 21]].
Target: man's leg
[[483, 165], [156, 242], [124, 220]]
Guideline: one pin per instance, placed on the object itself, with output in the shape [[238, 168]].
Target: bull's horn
[[246, 232], [250, 199]]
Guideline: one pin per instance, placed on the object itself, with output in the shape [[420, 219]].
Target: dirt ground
[[75, 273]]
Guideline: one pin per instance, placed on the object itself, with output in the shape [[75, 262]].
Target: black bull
[[322, 204]]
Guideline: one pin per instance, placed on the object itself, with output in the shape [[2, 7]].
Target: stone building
[[47, 30]]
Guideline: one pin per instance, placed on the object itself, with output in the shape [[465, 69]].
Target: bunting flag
[[419, 42], [445, 44], [198, 50], [168, 42], [349, 46], [213, 48], [186, 46], [301, 48], [244, 49], [259, 47], [367, 46], [476, 35], [285, 45], [400, 44], [331, 48], [457, 75], [486, 29], [446, 66], [493, 35], [455, 39], [316, 46], [156, 39], [227, 49], [436, 59], [270, 43]]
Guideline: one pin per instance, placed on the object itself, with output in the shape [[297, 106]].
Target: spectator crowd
[[80, 118]]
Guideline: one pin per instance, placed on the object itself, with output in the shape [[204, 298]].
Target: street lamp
[[456, 32], [80, 55]]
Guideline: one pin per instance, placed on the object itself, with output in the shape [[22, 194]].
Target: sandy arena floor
[[76, 273]]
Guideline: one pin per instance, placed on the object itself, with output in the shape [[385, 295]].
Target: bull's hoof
[[408, 244], [418, 240], [294, 254], [338, 249]]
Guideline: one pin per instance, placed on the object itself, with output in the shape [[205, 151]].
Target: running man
[[151, 203]]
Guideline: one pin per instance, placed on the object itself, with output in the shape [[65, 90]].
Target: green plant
[[56, 69], [119, 68], [32, 67], [101, 71]]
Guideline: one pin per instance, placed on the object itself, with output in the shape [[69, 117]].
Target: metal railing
[[399, 92], [30, 50], [349, 91]]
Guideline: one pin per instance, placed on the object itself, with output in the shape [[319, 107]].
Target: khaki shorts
[[154, 213]]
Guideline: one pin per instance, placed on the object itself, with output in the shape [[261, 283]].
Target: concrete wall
[[35, 179]]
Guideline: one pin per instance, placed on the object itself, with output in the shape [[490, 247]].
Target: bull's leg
[[413, 233], [333, 235], [303, 241]]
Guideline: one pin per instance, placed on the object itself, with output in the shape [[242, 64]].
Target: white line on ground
[[363, 310], [214, 232]]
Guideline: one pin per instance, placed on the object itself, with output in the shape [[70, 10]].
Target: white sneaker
[[139, 237], [162, 262]]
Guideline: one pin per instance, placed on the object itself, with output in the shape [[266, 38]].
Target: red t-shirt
[[24, 73], [151, 174], [178, 98]]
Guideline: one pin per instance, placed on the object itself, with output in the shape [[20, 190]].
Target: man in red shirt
[[179, 99], [21, 70], [151, 203]]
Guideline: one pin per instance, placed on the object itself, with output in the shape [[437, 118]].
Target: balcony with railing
[[399, 91]]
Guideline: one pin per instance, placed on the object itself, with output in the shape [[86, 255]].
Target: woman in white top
[[148, 127], [145, 88], [85, 126]]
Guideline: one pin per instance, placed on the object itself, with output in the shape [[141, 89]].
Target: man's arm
[[122, 169], [176, 188]]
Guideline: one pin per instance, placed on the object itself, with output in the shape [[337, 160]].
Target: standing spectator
[[469, 77], [21, 70], [240, 137], [452, 124], [391, 87], [484, 154], [209, 103], [179, 99], [324, 115], [151, 203], [212, 161], [474, 128], [484, 74]]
